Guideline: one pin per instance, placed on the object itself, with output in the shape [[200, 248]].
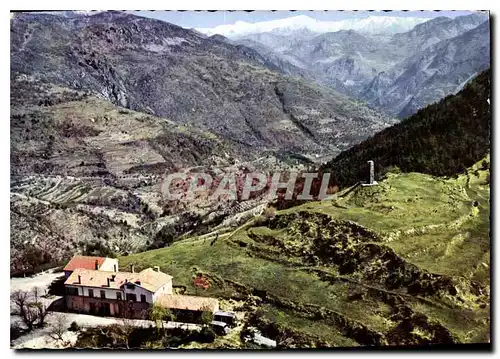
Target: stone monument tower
[[371, 181], [372, 172]]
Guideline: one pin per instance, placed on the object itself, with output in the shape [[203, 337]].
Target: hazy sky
[[190, 19]]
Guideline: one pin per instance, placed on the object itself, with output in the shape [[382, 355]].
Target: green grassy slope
[[404, 262]]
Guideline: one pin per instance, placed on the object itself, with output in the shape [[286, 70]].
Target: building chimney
[[132, 267], [96, 264], [156, 268], [109, 280], [79, 279]]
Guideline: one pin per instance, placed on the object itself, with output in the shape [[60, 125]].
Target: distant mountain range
[[161, 69], [397, 72], [434, 72], [370, 24]]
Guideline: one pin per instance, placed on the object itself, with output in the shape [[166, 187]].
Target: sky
[[202, 19]]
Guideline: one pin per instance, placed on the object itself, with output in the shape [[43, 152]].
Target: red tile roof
[[84, 262], [149, 279], [188, 302]]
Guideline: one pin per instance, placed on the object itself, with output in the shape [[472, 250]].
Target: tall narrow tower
[[371, 181], [372, 172]]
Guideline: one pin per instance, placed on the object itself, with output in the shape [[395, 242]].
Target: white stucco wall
[[138, 291], [84, 291], [109, 265], [165, 289]]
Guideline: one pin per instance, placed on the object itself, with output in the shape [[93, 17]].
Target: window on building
[[103, 294], [143, 298], [118, 296], [131, 297], [71, 291], [91, 293]]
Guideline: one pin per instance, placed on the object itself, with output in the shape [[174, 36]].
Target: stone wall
[[106, 307]]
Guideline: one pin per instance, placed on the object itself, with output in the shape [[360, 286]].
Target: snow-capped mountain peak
[[370, 24]]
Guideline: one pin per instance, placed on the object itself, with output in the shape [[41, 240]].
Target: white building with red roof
[[94, 285], [92, 263]]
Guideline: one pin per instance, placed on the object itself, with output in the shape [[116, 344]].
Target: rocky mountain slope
[[433, 31], [60, 131], [431, 74], [162, 69], [346, 59], [397, 73]]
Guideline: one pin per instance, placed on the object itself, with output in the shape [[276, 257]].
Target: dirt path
[[42, 281]]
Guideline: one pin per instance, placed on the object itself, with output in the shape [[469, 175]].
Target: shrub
[[269, 213], [98, 248], [207, 335], [74, 327], [200, 281], [393, 169]]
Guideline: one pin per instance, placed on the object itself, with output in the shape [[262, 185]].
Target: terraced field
[[52, 217], [405, 262]]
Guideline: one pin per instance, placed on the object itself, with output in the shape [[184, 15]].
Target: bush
[[15, 331], [74, 327], [269, 213], [260, 220], [165, 237], [393, 169], [100, 249], [486, 180], [207, 335]]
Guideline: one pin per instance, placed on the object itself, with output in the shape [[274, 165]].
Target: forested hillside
[[442, 139]]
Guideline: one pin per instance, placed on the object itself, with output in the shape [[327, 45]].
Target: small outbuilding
[[188, 308], [226, 317]]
